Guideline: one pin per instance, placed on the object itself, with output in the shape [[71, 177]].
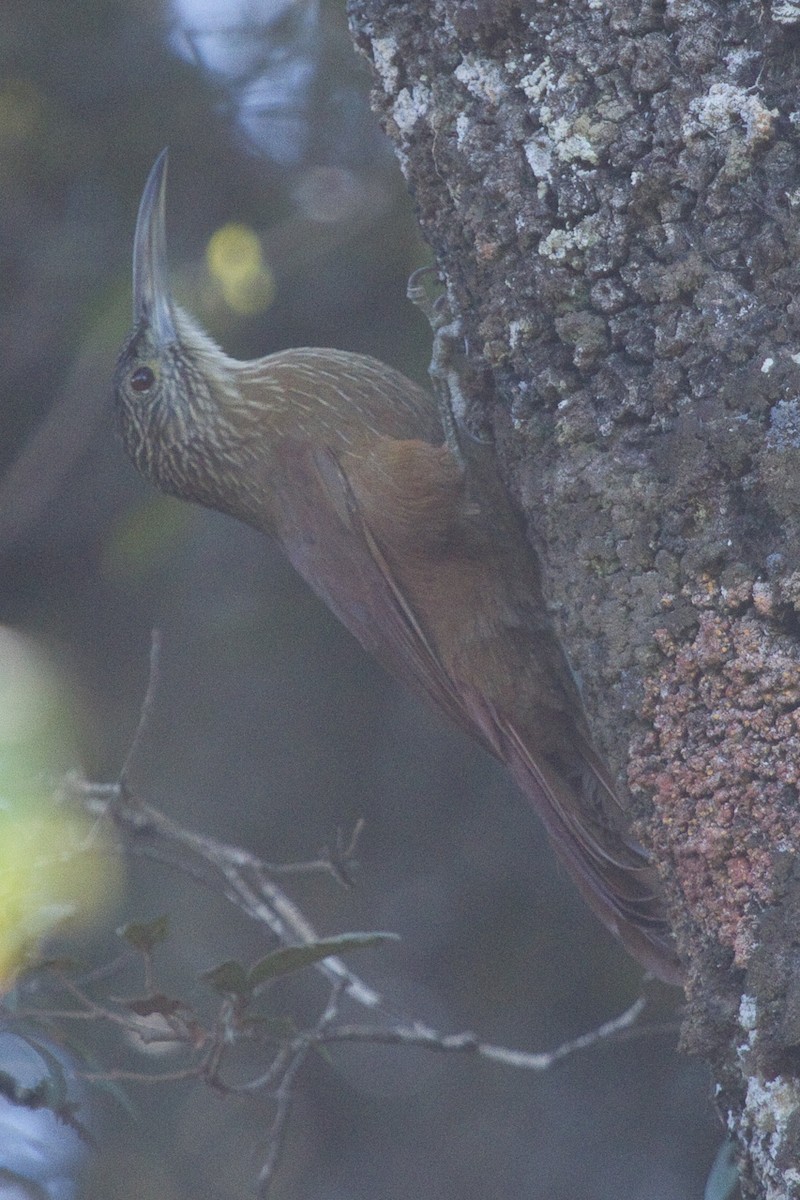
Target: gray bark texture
[[612, 192]]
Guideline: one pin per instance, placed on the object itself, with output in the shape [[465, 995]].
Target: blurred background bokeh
[[288, 225]]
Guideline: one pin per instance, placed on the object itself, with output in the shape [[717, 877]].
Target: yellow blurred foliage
[[235, 260], [53, 863]]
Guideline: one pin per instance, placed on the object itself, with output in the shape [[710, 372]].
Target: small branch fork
[[155, 1019]]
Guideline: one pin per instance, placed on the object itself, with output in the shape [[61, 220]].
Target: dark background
[[271, 727]]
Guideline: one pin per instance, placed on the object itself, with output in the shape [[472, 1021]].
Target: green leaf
[[295, 958], [145, 935], [229, 977]]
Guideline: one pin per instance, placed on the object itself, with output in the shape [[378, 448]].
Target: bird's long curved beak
[[152, 303]]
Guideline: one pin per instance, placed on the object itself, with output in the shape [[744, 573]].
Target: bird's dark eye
[[142, 379]]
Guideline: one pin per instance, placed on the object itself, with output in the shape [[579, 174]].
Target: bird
[[410, 540]]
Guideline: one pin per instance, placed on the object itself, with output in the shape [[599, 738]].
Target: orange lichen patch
[[721, 763], [487, 251]]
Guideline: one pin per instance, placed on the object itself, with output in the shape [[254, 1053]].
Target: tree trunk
[[612, 192]]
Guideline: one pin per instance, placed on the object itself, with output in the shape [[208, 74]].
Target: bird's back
[[339, 399]]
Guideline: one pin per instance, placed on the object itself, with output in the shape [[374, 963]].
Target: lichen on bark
[[613, 194]]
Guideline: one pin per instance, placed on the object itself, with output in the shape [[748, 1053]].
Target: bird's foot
[[431, 306], [446, 366]]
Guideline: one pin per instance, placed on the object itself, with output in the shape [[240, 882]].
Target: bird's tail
[[577, 804]]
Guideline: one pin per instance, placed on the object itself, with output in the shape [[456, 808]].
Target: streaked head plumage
[[171, 376]]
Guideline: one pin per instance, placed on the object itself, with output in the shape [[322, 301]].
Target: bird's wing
[[328, 539], [329, 542]]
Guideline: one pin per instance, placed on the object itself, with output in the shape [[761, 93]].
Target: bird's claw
[[449, 344], [417, 293]]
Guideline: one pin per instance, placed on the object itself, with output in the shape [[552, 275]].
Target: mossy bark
[[612, 192]]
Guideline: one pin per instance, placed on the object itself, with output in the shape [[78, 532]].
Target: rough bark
[[612, 191]]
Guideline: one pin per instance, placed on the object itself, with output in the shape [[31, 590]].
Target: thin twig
[[264, 901], [120, 1075], [277, 1131], [270, 905], [285, 1092], [460, 1043], [261, 900], [146, 710], [246, 881]]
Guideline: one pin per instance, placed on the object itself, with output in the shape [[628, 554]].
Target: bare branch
[[246, 881], [284, 1094], [242, 876], [461, 1043]]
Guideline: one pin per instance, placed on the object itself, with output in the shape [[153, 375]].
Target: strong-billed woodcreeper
[[413, 545]]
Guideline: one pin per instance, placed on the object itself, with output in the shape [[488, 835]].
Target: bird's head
[[175, 389]]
